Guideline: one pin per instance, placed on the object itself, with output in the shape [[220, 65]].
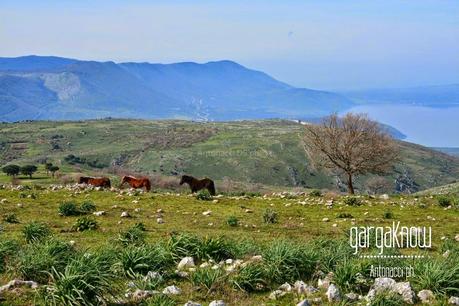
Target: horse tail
[[211, 187], [147, 184]]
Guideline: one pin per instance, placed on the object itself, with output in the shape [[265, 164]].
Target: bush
[[68, 209], [250, 278], [37, 260], [134, 235], [315, 193], [388, 215], [445, 201], [35, 231], [8, 249], [10, 218], [87, 207], [439, 275], [142, 259], [352, 201], [86, 280], [345, 215], [232, 221], [270, 216], [207, 278], [84, 224], [204, 195], [346, 276], [287, 262]]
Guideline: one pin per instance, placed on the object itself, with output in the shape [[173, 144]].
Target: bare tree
[[353, 144]]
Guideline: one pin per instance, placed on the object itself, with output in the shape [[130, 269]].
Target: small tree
[[53, 169], [48, 167], [353, 144], [11, 170], [28, 170]]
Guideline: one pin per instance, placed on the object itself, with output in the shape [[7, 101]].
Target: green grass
[[296, 247]]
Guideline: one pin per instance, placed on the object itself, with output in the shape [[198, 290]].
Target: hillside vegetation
[[267, 152]]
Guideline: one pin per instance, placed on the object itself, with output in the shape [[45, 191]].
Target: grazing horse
[[136, 182], [197, 185], [95, 181]]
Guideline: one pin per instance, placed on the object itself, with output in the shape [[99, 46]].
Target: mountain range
[[48, 87]]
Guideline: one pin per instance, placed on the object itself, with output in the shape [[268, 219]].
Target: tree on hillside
[[11, 170], [48, 167], [353, 145], [53, 169], [28, 170]]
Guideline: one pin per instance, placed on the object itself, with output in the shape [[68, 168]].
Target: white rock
[[256, 258], [304, 303], [72, 242], [446, 254], [286, 287], [325, 220], [137, 210], [426, 296], [217, 303], [333, 294], [185, 263], [17, 283], [191, 303], [159, 220], [351, 296], [454, 300], [276, 294], [125, 214], [388, 284], [229, 261], [181, 274], [207, 213], [152, 275], [99, 213], [139, 295], [404, 289], [172, 290], [384, 197], [3, 201], [456, 237], [204, 265]]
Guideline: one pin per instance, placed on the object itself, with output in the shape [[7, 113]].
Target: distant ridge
[[49, 87]]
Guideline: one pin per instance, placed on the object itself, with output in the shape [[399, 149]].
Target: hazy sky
[[324, 44]]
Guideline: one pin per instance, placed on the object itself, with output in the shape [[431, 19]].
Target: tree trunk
[[350, 186]]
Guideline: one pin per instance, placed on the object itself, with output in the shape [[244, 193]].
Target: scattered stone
[[214, 201], [140, 295], [333, 294], [304, 303], [426, 296], [276, 294], [456, 237], [217, 303], [72, 242], [181, 274], [454, 300], [446, 254], [204, 265], [248, 211], [388, 284], [172, 290], [3, 201], [384, 197], [352, 297], [137, 210], [207, 213], [325, 283], [18, 283], [159, 211], [286, 287], [191, 303], [325, 220], [99, 213], [185, 263], [125, 214], [20, 205], [159, 220], [302, 288], [335, 225], [152, 275]]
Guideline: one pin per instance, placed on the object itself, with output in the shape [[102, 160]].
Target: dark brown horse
[[136, 182], [197, 185], [95, 181]]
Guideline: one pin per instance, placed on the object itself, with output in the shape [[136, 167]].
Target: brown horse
[[197, 185], [136, 182], [95, 181]]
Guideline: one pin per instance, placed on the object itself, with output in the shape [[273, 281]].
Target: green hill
[[269, 152]]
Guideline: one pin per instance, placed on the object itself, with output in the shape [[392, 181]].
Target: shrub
[[352, 201], [250, 278], [388, 215], [232, 221], [35, 231], [204, 195], [330, 252], [142, 259], [346, 276], [345, 215], [439, 275], [387, 299], [445, 201], [68, 209], [86, 280], [87, 207], [37, 259], [10, 218], [270, 216], [287, 262], [207, 278], [315, 193], [160, 300], [8, 248], [84, 224], [134, 235]]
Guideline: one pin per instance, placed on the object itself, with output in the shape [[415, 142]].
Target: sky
[[321, 44]]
